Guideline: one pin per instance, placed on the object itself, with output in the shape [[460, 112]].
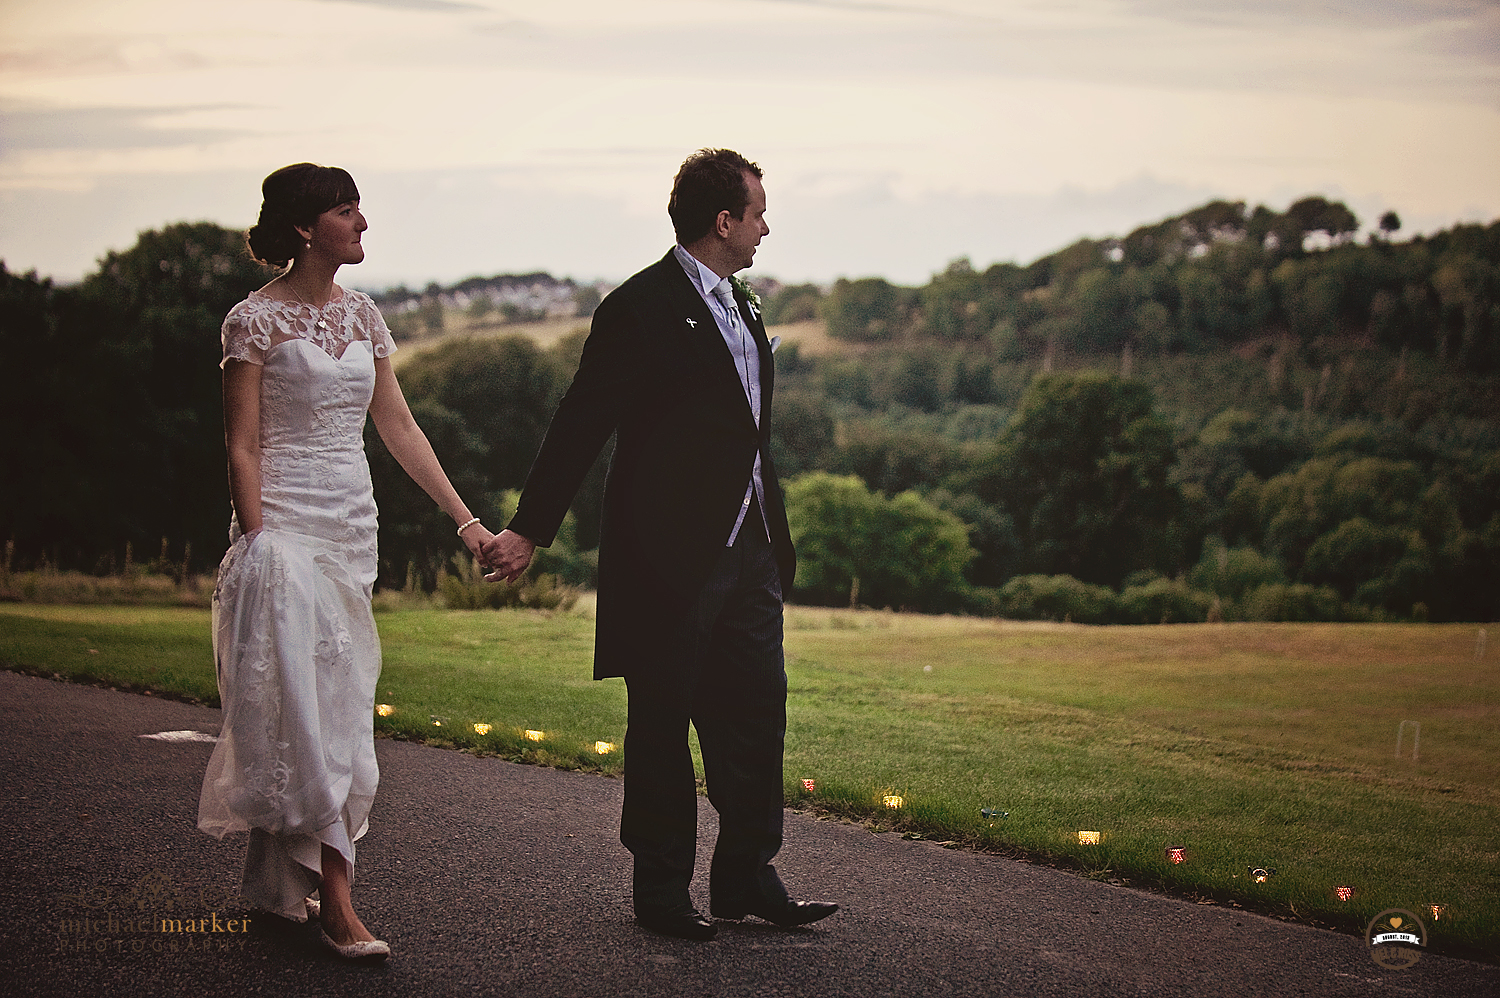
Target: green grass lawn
[[1250, 745]]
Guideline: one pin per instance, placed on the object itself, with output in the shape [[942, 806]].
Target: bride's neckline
[[339, 295]]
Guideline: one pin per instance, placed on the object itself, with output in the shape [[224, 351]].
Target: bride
[[294, 639]]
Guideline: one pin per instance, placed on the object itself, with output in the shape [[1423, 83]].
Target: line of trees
[[1212, 277], [111, 413], [1225, 415]]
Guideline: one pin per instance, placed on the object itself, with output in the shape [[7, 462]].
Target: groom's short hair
[[709, 181]]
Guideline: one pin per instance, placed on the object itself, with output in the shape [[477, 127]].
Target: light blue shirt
[[746, 361]]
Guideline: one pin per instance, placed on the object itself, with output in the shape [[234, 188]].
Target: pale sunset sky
[[490, 136]]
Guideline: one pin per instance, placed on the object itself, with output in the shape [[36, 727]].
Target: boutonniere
[[751, 298]]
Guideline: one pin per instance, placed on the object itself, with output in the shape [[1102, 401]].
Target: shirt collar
[[703, 278]]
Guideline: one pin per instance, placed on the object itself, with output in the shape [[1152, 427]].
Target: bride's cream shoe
[[369, 949]]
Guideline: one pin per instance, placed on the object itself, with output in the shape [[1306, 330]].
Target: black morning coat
[[656, 372]]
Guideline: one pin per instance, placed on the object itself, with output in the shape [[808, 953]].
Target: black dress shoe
[[683, 922], [787, 914]]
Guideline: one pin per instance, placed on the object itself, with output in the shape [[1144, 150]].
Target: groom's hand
[[508, 553]]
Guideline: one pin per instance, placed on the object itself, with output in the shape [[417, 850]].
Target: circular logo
[[1397, 939]]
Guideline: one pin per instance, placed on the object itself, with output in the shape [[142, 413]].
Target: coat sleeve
[[608, 377]]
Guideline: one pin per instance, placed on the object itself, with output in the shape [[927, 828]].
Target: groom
[[694, 551]]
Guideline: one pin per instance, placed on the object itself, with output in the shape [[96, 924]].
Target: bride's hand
[[474, 539]]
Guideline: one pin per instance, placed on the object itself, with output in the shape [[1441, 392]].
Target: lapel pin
[[693, 323]]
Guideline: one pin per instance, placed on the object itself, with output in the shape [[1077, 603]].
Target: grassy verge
[[1265, 745], [132, 588]]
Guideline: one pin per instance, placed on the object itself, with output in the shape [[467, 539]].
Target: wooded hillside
[[1228, 414]]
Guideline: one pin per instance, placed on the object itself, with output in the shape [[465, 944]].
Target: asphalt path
[[490, 878]]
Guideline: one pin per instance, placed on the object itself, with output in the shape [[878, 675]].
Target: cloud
[[873, 231], [1162, 43], [94, 54], [871, 6], [444, 6], [1447, 43], [1360, 14], [99, 128]]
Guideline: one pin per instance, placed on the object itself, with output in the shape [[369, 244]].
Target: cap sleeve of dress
[[381, 341], [246, 334]]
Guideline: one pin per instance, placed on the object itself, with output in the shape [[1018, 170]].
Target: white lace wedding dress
[[294, 639]]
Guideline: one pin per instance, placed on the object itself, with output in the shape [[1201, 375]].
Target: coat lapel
[[685, 303], [757, 328], [689, 312]]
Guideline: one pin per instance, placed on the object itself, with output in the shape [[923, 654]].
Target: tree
[[1318, 214], [119, 383], [1301, 506], [1377, 565], [1083, 471], [1468, 288], [868, 309], [485, 405], [802, 432], [1237, 441], [1186, 234], [916, 381], [962, 304], [893, 461], [1231, 573], [793, 303], [855, 547], [1102, 308], [43, 472], [992, 535]]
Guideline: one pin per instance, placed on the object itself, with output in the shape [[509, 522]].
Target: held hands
[[508, 554], [475, 538]]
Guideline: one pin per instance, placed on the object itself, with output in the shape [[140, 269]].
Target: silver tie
[[725, 294]]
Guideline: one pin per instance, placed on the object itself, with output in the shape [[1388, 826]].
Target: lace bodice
[[260, 322]]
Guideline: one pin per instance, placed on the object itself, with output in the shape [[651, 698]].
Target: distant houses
[[515, 297]]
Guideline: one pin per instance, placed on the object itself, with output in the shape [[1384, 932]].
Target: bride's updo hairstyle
[[292, 196]]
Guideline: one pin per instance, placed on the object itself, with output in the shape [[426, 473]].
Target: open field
[[811, 337], [1249, 745], [457, 325]]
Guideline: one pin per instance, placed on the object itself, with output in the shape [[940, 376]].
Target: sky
[[490, 136]]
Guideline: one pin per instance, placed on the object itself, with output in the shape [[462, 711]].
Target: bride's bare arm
[[411, 449], [242, 440]]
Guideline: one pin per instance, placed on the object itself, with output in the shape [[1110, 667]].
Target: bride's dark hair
[[292, 196]]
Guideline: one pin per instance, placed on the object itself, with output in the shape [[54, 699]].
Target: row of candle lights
[[1173, 854], [481, 728]]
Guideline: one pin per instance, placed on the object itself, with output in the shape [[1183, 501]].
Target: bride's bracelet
[[466, 525]]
